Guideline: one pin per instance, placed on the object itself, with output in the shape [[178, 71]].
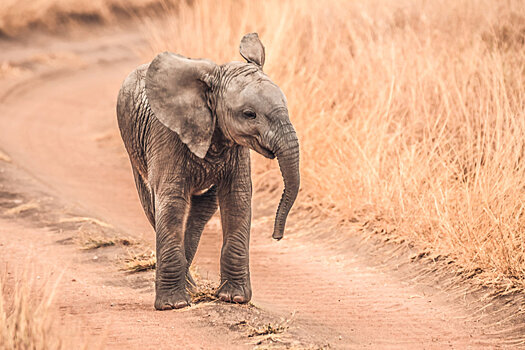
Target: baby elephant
[[188, 125]]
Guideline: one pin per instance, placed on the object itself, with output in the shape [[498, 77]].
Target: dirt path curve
[[61, 129]]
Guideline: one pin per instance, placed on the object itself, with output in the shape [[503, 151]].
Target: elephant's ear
[[252, 49], [176, 89]]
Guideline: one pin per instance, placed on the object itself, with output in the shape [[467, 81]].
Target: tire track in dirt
[[63, 131]]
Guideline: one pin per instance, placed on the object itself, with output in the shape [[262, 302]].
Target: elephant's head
[[193, 97]]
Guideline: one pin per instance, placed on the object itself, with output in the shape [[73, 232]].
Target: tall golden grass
[[408, 112], [26, 317], [18, 15]]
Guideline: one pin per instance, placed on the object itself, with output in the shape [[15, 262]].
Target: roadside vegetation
[[410, 114], [17, 16], [138, 262], [90, 241], [27, 318]]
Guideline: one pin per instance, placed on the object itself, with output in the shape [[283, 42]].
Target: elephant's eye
[[249, 114]]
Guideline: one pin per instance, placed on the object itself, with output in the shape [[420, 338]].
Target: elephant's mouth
[[263, 150]]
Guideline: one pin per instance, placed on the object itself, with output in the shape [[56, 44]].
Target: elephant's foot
[[234, 292], [167, 300]]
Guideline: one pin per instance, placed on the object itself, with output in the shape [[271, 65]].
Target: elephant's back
[[133, 112], [130, 95]]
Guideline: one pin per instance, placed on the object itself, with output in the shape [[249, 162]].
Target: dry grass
[[3, 156], [9, 69], [271, 334], [19, 15], [138, 262], [267, 329], [90, 242], [94, 233], [82, 219], [409, 113], [27, 319], [22, 208], [205, 291]]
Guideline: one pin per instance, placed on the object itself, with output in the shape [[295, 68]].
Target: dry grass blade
[[204, 292], [95, 243], [27, 319], [203, 296], [21, 208], [4, 157], [140, 262], [89, 241], [82, 219], [100, 242], [267, 330]]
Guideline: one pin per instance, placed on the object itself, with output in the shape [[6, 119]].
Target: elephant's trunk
[[286, 148]]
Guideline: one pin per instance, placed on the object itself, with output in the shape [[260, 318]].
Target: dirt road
[[58, 125]]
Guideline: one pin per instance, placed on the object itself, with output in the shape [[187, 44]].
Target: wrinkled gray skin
[[188, 126]]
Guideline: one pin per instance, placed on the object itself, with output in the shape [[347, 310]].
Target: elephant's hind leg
[[145, 196], [202, 209]]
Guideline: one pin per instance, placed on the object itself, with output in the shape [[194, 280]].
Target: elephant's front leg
[[202, 209], [235, 205], [170, 282]]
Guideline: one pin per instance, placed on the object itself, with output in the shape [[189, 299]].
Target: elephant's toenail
[[238, 299], [181, 304]]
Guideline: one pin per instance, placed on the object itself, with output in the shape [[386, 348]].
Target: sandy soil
[[58, 126]]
